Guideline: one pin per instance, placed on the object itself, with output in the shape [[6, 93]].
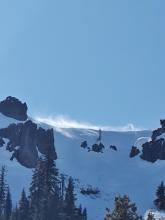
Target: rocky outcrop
[[1, 142], [113, 147], [84, 144], [98, 147], [26, 141], [12, 107], [89, 191], [159, 131], [162, 122], [134, 152], [155, 149]]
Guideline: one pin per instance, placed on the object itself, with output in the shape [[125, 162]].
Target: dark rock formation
[[157, 133], [12, 107], [113, 147], [45, 141], [155, 149], [1, 142], [162, 122], [98, 147], [26, 140], [134, 152], [84, 144], [90, 191]]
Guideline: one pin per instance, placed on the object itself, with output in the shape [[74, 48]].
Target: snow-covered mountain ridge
[[111, 172]]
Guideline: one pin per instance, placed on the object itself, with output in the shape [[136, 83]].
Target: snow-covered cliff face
[[99, 176]]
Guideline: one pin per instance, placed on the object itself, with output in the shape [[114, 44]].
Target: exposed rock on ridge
[[155, 149], [24, 139], [12, 107]]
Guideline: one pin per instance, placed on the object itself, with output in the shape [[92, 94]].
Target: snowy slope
[[112, 172]]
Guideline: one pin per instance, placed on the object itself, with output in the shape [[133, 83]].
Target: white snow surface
[[112, 172], [158, 215], [162, 136]]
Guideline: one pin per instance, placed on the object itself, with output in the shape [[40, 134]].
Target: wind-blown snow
[[66, 122], [140, 141]]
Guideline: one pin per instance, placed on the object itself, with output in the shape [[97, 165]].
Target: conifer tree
[[52, 202], [2, 190], [124, 210], [70, 200], [160, 193], [45, 199], [15, 214], [8, 206], [62, 186], [80, 210], [51, 175], [48, 200], [84, 214], [23, 207], [37, 191]]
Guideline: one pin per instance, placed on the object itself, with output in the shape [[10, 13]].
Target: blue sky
[[95, 61]]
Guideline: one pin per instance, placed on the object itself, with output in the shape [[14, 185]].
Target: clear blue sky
[[98, 61]]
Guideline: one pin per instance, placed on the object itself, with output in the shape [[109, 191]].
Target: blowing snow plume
[[66, 122]]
